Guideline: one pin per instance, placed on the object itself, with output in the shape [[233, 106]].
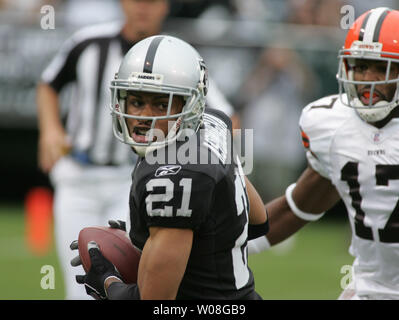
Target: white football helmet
[[373, 36], [160, 64]]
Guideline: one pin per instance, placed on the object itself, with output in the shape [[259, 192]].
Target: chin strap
[[375, 113]]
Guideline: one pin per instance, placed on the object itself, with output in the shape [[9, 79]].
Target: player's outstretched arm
[[304, 202]]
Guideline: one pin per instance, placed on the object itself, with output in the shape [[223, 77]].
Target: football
[[115, 246]]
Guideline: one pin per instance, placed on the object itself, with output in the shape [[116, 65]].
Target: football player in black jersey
[[189, 201]]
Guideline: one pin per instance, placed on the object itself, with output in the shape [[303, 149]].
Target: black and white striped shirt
[[90, 59]]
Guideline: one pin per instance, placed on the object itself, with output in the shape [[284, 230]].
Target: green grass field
[[308, 267]]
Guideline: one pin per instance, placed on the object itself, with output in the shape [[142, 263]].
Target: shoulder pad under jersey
[[319, 122]]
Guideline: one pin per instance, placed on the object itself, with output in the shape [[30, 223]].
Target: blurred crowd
[[269, 57]]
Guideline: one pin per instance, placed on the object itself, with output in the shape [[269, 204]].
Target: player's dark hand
[[117, 224], [100, 270]]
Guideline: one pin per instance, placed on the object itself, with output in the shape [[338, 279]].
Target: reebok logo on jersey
[[167, 170]]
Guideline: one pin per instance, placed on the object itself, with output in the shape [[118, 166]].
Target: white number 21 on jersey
[[167, 211]]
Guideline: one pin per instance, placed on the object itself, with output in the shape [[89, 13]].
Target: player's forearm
[[48, 107], [305, 201], [163, 262], [283, 222], [314, 193]]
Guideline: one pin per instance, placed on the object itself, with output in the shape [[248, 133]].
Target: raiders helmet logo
[[203, 77]]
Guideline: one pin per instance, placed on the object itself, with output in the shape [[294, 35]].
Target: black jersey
[[209, 198]]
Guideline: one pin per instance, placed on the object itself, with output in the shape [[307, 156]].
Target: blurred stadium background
[[269, 57]]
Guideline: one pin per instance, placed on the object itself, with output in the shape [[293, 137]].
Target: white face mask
[[164, 65], [347, 85]]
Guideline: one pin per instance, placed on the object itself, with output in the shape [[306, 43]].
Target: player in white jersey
[[352, 146]]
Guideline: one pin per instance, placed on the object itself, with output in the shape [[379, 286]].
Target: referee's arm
[[52, 137]]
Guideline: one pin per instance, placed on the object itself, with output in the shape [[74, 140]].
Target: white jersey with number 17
[[362, 162]]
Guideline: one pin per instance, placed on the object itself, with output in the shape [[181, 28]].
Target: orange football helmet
[[373, 36]]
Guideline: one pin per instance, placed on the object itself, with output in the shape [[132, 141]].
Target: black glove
[[100, 270], [117, 224]]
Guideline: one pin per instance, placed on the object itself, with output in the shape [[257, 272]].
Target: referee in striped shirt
[[89, 169]]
